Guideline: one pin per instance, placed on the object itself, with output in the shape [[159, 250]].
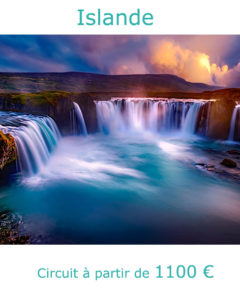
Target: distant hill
[[98, 83]]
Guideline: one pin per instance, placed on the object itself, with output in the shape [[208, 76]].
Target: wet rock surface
[[10, 229], [7, 149], [8, 156], [225, 164], [234, 152]]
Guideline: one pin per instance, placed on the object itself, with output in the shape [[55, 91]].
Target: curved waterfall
[[79, 125], [155, 115], [35, 137], [234, 134]]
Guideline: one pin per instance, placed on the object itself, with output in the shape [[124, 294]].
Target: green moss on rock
[[37, 99]]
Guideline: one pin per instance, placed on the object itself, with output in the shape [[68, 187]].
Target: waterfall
[[203, 119], [79, 125], [155, 115], [35, 137], [190, 121], [234, 133]]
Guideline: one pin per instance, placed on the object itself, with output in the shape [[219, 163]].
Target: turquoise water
[[126, 189]]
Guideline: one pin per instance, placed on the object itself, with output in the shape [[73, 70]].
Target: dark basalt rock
[[200, 164], [227, 162], [219, 121], [10, 229], [233, 152], [56, 104], [53, 94]]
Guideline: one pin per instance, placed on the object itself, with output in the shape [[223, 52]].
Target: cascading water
[[92, 188], [155, 115], [79, 125], [190, 120], [35, 138], [234, 134]]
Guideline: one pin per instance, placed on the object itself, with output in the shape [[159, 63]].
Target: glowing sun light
[[204, 61]]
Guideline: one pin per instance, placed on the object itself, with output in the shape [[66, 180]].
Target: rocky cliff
[[59, 106], [56, 104], [7, 155], [53, 94]]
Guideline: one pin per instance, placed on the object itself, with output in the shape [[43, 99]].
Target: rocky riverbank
[[224, 164], [10, 225]]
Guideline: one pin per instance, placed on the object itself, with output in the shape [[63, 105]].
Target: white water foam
[[35, 137], [79, 125], [138, 115]]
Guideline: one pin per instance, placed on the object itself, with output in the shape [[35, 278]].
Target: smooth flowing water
[[35, 137], [133, 184], [153, 115], [234, 134], [79, 125]]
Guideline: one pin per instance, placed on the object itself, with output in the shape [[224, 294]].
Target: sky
[[211, 59]]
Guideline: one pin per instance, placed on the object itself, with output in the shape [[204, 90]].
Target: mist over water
[[152, 115], [135, 181]]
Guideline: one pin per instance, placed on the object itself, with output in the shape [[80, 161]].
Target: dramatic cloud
[[228, 77], [169, 57], [207, 59]]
